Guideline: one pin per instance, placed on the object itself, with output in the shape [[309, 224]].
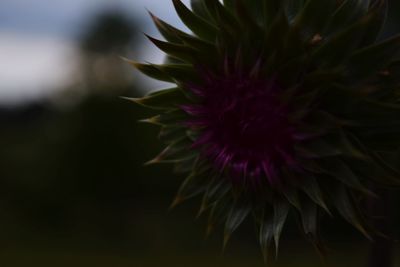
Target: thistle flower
[[279, 107]]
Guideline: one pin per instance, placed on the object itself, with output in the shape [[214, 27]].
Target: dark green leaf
[[377, 170], [339, 142], [171, 117], [391, 171], [372, 59], [338, 169], [238, 213], [172, 60], [317, 148], [151, 70], [198, 25], [169, 32], [179, 73], [218, 213], [178, 37], [179, 51], [199, 9], [177, 151], [271, 9], [222, 16], [275, 41], [373, 113], [266, 234], [347, 13], [293, 7], [309, 217], [379, 11], [194, 184], [337, 48], [321, 121], [313, 17], [170, 134], [292, 196], [217, 189], [163, 99], [185, 165], [292, 71], [323, 77], [248, 20], [347, 208], [230, 4], [281, 211], [310, 186], [255, 9]]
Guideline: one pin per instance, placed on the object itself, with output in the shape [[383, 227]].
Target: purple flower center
[[244, 126]]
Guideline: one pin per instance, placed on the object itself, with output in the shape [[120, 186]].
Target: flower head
[[243, 126], [279, 107]]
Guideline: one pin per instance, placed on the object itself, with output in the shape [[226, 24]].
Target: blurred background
[[73, 188]]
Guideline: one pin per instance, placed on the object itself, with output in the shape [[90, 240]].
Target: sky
[[38, 40]]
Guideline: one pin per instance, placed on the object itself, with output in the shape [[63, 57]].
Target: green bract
[[279, 107]]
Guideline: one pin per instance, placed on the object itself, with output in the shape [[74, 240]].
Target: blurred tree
[[108, 38], [78, 171], [110, 32]]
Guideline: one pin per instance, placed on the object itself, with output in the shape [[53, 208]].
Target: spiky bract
[[280, 106]]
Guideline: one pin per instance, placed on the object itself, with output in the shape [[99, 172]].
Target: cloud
[[31, 67]]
